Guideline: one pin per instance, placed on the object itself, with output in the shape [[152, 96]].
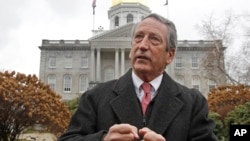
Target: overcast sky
[[24, 23]]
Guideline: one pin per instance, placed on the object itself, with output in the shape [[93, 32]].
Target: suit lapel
[[166, 106], [126, 105]]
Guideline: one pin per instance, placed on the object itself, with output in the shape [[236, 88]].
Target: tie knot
[[146, 87]]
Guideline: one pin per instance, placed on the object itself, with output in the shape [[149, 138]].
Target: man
[[112, 111]]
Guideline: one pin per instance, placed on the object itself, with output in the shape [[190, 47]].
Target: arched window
[[67, 84], [52, 81], [109, 74], [83, 83], [130, 18], [116, 21], [196, 82]]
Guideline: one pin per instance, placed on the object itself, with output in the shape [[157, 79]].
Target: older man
[[145, 103]]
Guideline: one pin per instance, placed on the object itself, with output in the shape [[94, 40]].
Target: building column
[[116, 63], [92, 66], [122, 61], [98, 65]]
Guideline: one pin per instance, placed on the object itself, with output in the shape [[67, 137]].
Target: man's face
[[148, 53]]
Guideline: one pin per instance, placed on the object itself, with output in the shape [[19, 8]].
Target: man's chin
[[141, 68]]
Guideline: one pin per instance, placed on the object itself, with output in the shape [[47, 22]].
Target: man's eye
[[138, 37], [155, 40]]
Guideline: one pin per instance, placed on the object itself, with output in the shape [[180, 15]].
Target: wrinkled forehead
[[152, 25], [150, 20]]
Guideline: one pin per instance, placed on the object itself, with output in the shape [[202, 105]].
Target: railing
[[197, 42], [64, 42]]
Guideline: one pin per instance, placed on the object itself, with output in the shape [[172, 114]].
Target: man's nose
[[144, 44]]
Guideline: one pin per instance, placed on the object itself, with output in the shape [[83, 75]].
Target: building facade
[[71, 67]]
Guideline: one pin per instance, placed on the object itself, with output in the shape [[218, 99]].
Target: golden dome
[[115, 2]]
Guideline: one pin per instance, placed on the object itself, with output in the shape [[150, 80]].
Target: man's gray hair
[[171, 36]]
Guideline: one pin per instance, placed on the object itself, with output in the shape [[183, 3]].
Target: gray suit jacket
[[178, 113]]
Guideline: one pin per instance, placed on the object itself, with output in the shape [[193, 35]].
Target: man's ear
[[170, 55], [130, 50]]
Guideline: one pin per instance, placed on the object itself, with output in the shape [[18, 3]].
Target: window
[[211, 84], [109, 74], [196, 82], [130, 18], [83, 83], [52, 62], [195, 62], [68, 62], [52, 81], [178, 62], [84, 62], [116, 21], [67, 82]]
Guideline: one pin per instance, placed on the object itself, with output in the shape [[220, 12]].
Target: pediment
[[122, 32]]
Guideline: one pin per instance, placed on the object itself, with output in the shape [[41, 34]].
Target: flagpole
[[166, 4], [168, 11], [93, 21], [93, 6]]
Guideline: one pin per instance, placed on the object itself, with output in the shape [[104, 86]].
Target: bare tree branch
[[218, 33]]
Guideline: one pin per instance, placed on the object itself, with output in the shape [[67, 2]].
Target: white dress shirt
[[155, 83]]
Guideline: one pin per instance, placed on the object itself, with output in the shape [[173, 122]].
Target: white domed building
[[71, 67]]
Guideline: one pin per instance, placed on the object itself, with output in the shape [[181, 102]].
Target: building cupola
[[123, 12]]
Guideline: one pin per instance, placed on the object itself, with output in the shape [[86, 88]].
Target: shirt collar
[[155, 82]]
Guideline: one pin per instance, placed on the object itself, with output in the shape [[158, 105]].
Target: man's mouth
[[142, 57]]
